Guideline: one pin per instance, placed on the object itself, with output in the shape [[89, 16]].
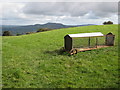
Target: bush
[[6, 33], [109, 22], [43, 29], [18, 34], [29, 32], [105, 23]]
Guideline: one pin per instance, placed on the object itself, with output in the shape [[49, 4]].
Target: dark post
[[67, 43], [96, 41], [89, 42]]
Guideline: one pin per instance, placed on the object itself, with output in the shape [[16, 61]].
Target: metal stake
[[96, 41], [89, 42]]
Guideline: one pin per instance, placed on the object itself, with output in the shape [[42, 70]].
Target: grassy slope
[[33, 61]]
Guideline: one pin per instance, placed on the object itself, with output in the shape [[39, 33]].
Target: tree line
[[8, 33]]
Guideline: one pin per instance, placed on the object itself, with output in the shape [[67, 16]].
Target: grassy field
[[34, 61]]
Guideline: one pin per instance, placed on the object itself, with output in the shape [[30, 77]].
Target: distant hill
[[33, 28]]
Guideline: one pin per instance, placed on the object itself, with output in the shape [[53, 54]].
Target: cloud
[[59, 0], [61, 12], [12, 11], [74, 9]]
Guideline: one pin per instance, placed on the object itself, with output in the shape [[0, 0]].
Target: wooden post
[[89, 42]]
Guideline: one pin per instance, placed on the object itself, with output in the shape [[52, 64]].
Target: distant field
[[34, 61]]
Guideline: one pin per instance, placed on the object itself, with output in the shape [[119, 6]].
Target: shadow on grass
[[60, 51]]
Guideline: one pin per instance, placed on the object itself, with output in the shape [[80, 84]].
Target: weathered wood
[[109, 39], [88, 49]]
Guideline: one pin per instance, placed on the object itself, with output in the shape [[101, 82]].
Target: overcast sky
[[70, 13]]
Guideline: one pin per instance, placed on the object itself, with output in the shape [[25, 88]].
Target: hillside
[[34, 61], [33, 28]]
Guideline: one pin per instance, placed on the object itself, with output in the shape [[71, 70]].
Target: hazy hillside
[[34, 61], [33, 28]]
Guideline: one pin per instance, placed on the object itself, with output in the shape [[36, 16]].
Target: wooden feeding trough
[[74, 43]]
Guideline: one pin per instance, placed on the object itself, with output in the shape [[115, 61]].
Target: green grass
[[34, 61]]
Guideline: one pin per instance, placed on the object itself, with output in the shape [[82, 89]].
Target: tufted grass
[[34, 61]]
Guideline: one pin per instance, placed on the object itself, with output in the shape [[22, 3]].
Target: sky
[[69, 13]]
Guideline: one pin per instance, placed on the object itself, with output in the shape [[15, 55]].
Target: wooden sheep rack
[[90, 41]]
